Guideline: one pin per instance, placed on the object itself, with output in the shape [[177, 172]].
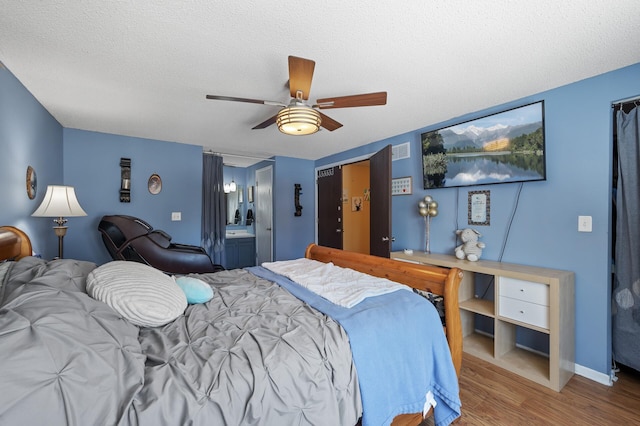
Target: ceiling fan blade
[[329, 123], [268, 122], [367, 99], [300, 76], [252, 101]]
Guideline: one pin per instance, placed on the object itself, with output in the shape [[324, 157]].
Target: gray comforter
[[254, 354]]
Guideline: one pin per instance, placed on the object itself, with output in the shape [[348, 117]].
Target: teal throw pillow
[[197, 291]]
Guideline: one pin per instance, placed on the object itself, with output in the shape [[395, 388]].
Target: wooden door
[[330, 207], [380, 181]]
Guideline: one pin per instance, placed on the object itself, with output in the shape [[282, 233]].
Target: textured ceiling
[[143, 68]]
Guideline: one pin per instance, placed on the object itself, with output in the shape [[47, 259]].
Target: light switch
[[584, 224], [176, 216]]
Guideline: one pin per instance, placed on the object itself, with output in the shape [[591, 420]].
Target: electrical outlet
[[176, 216], [584, 224]]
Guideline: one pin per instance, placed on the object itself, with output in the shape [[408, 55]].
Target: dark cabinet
[[240, 252]]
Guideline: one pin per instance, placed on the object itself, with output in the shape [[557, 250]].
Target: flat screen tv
[[504, 147]]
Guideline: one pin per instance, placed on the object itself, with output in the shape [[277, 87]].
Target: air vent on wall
[[402, 151]]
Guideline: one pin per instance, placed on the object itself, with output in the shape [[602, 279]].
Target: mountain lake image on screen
[[508, 146]]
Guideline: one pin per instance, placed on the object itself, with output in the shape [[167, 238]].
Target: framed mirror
[[234, 208], [250, 194]]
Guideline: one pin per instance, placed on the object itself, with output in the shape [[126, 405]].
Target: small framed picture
[[479, 208], [356, 204]]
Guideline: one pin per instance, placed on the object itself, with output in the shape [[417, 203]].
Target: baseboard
[[596, 376]]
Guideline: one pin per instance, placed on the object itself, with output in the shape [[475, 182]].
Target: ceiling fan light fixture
[[298, 120]]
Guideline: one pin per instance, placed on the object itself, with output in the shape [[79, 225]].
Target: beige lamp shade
[[59, 201]]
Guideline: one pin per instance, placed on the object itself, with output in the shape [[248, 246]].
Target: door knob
[[384, 239]]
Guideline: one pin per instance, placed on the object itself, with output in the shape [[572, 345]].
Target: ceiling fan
[[300, 118]]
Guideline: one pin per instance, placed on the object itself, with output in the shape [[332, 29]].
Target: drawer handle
[[522, 290], [522, 312]]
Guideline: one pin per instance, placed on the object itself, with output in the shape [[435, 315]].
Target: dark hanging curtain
[[626, 287], [213, 208]]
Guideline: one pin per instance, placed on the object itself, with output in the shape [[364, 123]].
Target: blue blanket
[[399, 350]]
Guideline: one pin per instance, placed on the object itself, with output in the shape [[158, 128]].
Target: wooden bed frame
[[15, 244], [441, 281]]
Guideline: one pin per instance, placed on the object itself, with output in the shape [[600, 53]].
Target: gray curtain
[[626, 287], [213, 208]]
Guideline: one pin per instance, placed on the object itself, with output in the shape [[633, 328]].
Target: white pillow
[[143, 295]]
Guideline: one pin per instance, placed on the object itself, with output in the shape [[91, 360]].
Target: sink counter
[[239, 234]]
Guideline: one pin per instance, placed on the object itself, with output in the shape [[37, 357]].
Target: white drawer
[[529, 313], [526, 291]]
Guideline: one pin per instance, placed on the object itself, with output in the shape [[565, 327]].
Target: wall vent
[[400, 152]]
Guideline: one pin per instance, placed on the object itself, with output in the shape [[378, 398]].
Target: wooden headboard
[[442, 281], [14, 243]]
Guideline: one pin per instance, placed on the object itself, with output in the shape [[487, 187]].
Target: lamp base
[[427, 223], [60, 231]]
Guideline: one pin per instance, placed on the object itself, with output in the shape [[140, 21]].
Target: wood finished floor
[[492, 396]]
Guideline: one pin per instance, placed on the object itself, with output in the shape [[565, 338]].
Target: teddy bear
[[471, 248]]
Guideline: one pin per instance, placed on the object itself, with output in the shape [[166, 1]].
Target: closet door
[[380, 233], [330, 207]]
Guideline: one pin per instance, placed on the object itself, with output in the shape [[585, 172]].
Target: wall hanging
[[125, 180], [154, 184], [479, 211], [32, 183], [297, 191], [356, 204]]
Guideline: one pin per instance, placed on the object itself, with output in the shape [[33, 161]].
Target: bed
[[262, 350]]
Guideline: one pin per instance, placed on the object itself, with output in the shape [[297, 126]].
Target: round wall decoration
[[32, 183], [155, 184]]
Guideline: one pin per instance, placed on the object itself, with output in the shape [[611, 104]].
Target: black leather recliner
[[130, 238]]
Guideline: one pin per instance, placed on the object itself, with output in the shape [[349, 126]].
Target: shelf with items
[[539, 300]]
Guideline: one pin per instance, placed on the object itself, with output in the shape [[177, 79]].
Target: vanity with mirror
[[240, 247]]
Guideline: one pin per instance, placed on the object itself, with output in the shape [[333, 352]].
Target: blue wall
[[578, 121], [29, 136], [293, 233], [92, 166]]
